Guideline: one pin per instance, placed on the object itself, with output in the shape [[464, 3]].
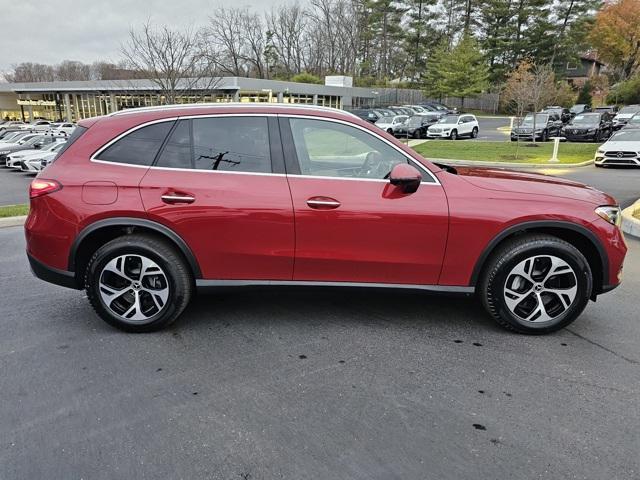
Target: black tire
[[179, 281], [454, 134], [474, 132], [417, 134], [390, 130], [545, 136], [499, 268]]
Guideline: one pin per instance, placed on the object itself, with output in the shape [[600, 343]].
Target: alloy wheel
[[133, 287], [540, 288]]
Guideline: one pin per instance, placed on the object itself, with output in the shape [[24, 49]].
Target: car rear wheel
[[536, 284], [417, 134], [474, 132], [545, 136], [138, 283], [453, 135]]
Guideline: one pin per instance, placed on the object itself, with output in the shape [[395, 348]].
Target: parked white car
[[15, 160], [389, 123], [454, 127], [61, 128], [37, 125], [622, 148]]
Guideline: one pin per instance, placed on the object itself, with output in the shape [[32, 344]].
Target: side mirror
[[405, 177], [37, 146]]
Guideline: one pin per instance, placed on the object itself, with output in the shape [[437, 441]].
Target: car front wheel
[[453, 135], [138, 283], [474, 132], [536, 284]]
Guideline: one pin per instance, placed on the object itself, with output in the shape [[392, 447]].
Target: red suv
[[143, 207]]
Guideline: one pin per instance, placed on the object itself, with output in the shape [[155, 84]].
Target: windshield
[[32, 141], [626, 136], [635, 120], [630, 109], [576, 108], [541, 118], [415, 121], [449, 119], [586, 119]]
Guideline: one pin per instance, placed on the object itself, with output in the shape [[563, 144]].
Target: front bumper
[[445, 134], [614, 159], [581, 136], [52, 275], [525, 136]]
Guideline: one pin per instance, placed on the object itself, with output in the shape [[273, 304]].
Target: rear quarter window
[[139, 147]]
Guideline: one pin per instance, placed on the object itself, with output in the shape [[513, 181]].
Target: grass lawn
[[519, 152], [13, 210]]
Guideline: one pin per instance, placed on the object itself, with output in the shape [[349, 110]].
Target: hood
[[532, 183], [620, 146], [28, 153], [624, 116]]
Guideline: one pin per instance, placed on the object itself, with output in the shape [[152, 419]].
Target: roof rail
[[228, 104]]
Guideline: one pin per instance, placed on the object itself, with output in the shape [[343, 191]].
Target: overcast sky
[[48, 31]]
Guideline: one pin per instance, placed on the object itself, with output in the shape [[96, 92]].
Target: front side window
[[139, 147], [232, 144], [329, 149]]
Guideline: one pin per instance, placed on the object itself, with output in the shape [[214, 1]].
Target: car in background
[[29, 142], [610, 109], [546, 126], [588, 127], [37, 125], [388, 124], [11, 124], [440, 108], [416, 126], [633, 123], [15, 160], [579, 108], [12, 136], [622, 149], [454, 127], [623, 116], [366, 114], [61, 128], [562, 113]]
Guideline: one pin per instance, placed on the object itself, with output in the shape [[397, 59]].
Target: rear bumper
[[53, 275]]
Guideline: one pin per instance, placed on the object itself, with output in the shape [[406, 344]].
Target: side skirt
[[204, 285]]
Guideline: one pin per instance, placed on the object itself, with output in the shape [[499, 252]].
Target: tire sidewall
[[583, 277], [106, 254]]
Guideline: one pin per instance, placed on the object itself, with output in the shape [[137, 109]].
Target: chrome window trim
[[420, 167]]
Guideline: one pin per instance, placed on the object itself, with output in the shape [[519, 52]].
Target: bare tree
[[225, 38], [31, 72], [72, 70], [175, 61], [286, 32]]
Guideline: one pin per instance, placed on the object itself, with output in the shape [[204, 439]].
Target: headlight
[[600, 151], [611, 213], [4, 152]]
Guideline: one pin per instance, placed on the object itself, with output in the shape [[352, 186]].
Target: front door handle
[[173, 198], [323, 203]]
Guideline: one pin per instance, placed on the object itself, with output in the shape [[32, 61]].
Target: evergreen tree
[[584, 97], [460, 72]]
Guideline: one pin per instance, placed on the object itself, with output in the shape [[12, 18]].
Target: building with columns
[[76, 100]]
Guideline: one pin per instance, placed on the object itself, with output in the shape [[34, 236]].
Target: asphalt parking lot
[[317, 383], [322, 384]]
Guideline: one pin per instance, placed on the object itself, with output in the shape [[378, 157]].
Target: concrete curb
[[510, 164], [12, 221], [630, 224]]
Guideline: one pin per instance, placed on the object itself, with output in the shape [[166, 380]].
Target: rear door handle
[[323, 203], [173, 198]]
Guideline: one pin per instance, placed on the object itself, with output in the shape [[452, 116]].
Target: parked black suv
[[589, 127], [416, 126], [579, 108], [563, 113], [546, 126]]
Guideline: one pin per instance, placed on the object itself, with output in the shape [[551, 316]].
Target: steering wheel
[[374, 166]]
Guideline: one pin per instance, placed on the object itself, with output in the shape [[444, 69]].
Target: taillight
[[40, 187]]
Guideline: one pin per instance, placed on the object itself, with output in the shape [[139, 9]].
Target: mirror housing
[[406, 177]]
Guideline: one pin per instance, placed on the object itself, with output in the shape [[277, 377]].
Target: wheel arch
[[102, 231], [577, 235]]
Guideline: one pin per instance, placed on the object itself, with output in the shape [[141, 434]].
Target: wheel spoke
[[539, 313], [116, 266]]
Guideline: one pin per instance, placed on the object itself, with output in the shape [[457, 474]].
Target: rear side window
[[139, 147], [232, 144], [177, 150]]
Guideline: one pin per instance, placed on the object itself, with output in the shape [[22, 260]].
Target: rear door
[[219, 183], [352, 225]]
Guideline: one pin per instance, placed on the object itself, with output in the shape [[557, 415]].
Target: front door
[[352, 225], [213, 183]]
